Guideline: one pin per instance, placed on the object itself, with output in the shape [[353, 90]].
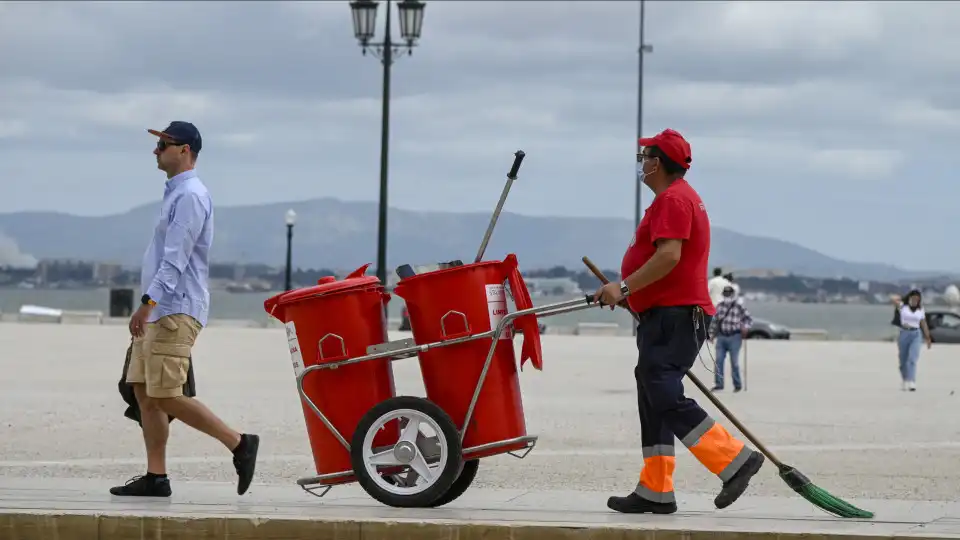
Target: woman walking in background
[[912, 319]]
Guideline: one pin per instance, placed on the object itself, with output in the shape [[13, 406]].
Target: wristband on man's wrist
[[147, 301]]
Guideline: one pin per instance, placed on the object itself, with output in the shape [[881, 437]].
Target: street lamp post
[[291, 218], [364, 22]]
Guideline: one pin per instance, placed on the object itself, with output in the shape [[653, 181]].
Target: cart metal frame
[[407, 348]]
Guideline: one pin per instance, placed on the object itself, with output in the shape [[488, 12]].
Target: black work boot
[[148, 485], [733, 488], [635, 504], [245, 460]]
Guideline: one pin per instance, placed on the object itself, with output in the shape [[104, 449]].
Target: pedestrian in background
[[912, 320], [174, 309], [729, 328], [716, 285], [733, 283]]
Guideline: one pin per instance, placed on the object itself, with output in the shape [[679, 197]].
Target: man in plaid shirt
[[729, 328]]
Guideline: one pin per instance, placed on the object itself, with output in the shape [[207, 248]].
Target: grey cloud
[[192, 45], [837, 104]]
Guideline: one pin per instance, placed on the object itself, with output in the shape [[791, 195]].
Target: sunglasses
[[641, 157], [162, 144]]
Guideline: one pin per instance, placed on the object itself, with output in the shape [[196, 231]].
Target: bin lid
[[329, 285]]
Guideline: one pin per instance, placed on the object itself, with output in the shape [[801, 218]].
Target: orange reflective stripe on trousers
[[716, 449], [656, 478]]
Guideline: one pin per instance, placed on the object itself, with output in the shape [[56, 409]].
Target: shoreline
[[94, 317], [751, 296], [835, 322]]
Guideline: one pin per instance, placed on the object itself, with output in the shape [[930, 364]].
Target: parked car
[[763, 329], [944, 326]]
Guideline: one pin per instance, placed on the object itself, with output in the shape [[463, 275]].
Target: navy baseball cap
[[181, 132]]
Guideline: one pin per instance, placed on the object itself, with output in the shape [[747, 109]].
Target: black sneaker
[[734, 488], [635, 504], [245, 460], [716, 389], [144, 486]]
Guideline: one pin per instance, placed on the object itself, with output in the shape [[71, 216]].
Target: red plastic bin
[[461, 301], [331, 322]]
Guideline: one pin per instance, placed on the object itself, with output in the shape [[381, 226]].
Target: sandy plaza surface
[[832, 409]]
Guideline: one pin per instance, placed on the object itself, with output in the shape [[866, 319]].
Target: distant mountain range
[[342, 235]]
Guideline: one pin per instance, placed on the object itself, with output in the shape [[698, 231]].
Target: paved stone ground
[[834, 410], [556, 514]]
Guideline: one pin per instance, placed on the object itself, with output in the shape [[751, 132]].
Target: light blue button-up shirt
[[176, 268]]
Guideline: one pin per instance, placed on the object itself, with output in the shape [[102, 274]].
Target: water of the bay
[[841, 321]]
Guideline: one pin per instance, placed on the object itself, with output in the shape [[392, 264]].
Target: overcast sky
[[831, 124]]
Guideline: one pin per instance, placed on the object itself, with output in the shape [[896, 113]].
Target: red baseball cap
[[672, 143]]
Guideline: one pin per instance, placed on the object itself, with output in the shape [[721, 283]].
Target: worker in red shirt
[[665, 283]]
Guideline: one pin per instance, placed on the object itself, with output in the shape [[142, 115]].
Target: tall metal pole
[[288, 281], [638, 200], [640, 51], [384, 144]]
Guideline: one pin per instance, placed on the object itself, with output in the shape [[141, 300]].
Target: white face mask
[[641, 176]]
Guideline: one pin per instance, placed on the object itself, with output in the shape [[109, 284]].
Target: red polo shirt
[[677, 213]]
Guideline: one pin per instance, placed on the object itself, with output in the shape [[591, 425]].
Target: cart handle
[[558, 308], [545, 310], [589, 299]]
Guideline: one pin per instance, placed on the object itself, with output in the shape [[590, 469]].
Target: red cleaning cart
[[409, 451]]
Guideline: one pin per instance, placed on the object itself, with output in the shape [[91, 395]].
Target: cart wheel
[[432, 460], [460, 485]]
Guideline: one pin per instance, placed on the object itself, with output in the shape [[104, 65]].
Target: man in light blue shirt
[[174, 309]]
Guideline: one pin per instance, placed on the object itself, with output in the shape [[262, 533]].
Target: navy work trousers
[[669, 341]]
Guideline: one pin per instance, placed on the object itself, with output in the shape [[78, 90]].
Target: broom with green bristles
[[793, 478]]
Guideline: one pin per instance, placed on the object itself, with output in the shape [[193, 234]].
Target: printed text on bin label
[[497, 308], [294, 345]]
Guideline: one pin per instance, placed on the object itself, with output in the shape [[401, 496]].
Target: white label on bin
[[497, 308], [294, 344]]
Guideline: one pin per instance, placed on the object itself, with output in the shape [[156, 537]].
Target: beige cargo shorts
[[161, 356]]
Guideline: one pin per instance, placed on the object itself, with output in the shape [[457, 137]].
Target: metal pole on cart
[[291, 218], [511, 176]]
